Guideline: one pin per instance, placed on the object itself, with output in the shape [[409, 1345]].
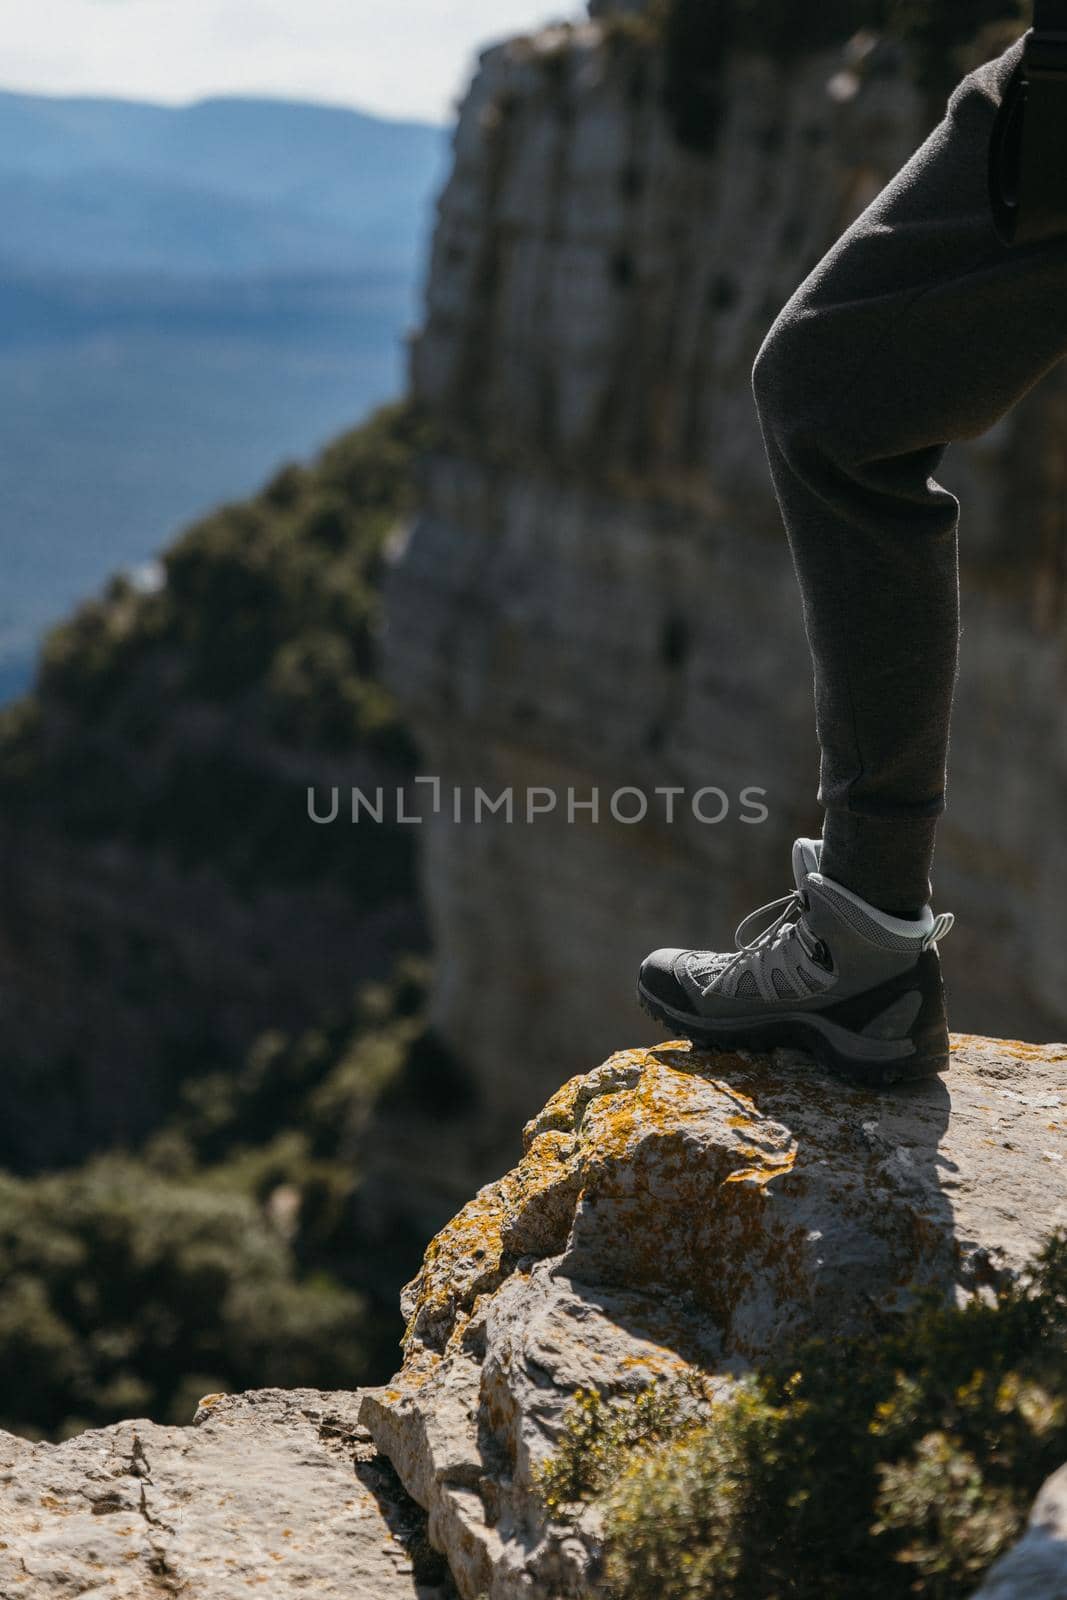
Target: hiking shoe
[[830, 973]]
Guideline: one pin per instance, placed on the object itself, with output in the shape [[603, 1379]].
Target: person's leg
[[916, 329]]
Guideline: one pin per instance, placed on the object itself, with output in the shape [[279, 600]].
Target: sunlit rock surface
[[673, 1210], [273, 1492], [675, 1207]]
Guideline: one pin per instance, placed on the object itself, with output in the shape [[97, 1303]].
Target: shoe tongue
[[806, 854]]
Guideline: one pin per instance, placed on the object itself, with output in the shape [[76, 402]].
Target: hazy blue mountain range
[[187, 296], [220, 187]]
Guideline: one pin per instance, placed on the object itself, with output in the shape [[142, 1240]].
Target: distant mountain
[[222, 186], [187, 295]]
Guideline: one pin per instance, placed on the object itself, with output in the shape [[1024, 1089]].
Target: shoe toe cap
[[658, 978]]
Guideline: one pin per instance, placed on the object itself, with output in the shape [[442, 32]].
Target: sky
[[397, 58]]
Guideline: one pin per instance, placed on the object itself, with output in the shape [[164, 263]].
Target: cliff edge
[[679, 1213], [680, 1223]]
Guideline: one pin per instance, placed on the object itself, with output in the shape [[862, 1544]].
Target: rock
[[279, 1489], [597, 594], [676, 1208], [1036, 1569]]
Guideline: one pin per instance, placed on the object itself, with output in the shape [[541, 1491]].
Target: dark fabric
[[917, 328], [884, 859], [1027, 177], [1050, 15]]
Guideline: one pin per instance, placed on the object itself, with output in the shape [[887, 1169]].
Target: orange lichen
[[771, 1167], [656, 1169], [1021, 1049], [525, 1212], [659, 1364]]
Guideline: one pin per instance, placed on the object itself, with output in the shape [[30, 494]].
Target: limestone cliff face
[[598, 592]]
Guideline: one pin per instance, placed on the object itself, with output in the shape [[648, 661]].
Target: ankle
[[887, 905], [884, 860]]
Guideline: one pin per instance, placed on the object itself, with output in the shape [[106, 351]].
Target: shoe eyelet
[[822, 957]]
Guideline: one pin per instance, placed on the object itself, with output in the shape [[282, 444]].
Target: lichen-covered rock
[[273, 1490], [676, 1208], [1036, 1569]]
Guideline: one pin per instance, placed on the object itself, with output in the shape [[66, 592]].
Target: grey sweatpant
[[917, 328]]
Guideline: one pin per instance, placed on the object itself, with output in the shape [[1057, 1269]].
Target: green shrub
[[228, 1253], [321, 1085], [896, 1465], [121, 1285], [600, 1435], [187, 722], [263, 634]]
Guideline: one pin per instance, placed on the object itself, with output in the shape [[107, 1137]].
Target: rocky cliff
[[678, 1212], [597, 594], [594, 597], [275, 1489], [594, 1339]]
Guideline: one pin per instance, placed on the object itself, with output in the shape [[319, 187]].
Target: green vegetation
[[127, 1294], [227, 1254], [185, 721], [158, 717], [299, 1116], [897, 1465], [254, 584], [600, 1437]]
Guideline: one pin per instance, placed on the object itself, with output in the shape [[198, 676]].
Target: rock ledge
[[675, 1207]]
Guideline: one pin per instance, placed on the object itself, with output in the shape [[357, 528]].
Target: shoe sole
[[874, 1063]]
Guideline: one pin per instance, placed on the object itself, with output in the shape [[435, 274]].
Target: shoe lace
[[781, 927]]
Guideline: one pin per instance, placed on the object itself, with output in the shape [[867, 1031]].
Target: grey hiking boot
[[830, 973]]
